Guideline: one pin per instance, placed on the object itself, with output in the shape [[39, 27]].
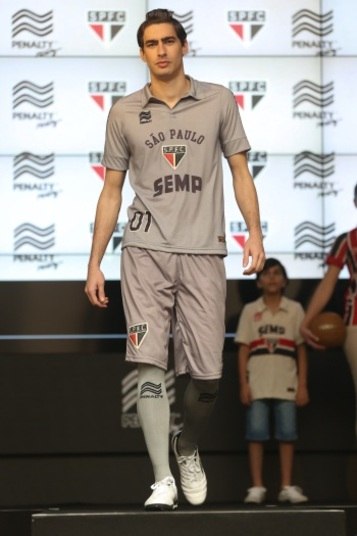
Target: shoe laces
[[168, 481], [191, 466]]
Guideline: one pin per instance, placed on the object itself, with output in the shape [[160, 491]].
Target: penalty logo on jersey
[[137, 334], [174, 154]]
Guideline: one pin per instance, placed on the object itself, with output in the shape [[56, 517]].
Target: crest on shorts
[[137, 334], [174, 154]]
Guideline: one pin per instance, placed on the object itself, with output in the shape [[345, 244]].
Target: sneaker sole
[[291, 503], [161, 507]]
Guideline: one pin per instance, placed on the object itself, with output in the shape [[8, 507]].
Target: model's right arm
[[106, 217]]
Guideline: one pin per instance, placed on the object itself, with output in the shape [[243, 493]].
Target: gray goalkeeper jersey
[[174, 158]]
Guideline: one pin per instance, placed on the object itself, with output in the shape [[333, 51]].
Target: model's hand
[[302, 396], [253, 255], [310, 338], [95, 288]]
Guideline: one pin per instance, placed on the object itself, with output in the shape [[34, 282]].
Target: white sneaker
[[192, 475], [164, 495], [256, 495], [292, 494]]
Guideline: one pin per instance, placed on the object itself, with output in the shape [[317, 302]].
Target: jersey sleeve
[[232, 135], [338, 254], [116, 151]]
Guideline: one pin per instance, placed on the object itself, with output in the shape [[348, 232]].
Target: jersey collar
[[284, 304], [194, 92]]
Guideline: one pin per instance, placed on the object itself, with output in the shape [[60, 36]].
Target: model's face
[[162, 51], [272, 281]]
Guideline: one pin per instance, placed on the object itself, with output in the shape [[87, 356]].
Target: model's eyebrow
[[163, 40]]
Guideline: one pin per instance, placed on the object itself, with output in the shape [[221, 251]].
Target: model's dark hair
[[356, 191], [269, 263], [159, 16]]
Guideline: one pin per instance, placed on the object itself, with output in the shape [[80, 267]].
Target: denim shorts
[[260, 413]]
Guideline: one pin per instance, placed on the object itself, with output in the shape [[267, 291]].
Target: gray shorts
[[182, 293]]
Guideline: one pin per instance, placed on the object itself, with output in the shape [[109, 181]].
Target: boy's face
[[272, 280], [162, 50]]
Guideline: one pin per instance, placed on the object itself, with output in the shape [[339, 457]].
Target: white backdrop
[[291, 65]]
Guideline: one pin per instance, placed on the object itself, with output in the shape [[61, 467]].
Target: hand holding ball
[[329, 328]]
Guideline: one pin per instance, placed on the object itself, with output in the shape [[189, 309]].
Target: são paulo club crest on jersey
[[174, 154]]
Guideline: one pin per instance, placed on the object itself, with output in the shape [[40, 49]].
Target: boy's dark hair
[[355, 190], [159, 16], [269, 263]]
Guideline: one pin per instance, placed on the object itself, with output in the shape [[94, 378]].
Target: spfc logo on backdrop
[[248, 93], [95, 160], [106, 93], [257, 162], [239, 231], [246, 24], [117, 235], [106, 24], [174, 154]]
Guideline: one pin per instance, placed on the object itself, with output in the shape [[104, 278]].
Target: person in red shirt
[[343, 253]]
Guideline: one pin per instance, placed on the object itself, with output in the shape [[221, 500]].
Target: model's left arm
[[247, 200]]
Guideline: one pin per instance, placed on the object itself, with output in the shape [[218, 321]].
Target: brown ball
[[329, 328]]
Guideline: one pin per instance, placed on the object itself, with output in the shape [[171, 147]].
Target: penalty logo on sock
[[137, 334], [151, 390]]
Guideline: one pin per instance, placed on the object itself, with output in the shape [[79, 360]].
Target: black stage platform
[[208, 520]]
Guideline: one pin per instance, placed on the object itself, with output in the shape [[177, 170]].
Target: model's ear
[[185, 48], [142, 55]]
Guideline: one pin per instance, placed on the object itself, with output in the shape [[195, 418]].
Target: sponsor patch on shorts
[[137, 333]]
